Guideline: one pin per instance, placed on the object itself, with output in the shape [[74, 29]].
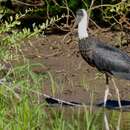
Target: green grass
[[22, 109]]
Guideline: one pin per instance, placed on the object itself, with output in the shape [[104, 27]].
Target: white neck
[[82, 27]]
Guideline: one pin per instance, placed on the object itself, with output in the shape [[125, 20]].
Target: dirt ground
[[73, 78]]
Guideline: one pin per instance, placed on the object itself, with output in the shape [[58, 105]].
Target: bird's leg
[[107, 90], [117, 91]]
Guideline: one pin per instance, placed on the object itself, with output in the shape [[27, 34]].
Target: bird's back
[[105, 57]]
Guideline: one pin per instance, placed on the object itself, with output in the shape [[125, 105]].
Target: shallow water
[[116, 120], [96, 118]]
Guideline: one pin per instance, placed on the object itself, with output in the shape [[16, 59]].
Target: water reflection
[[107, 124], [86, 118]]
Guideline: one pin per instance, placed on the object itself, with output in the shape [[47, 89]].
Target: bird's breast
[[86, 52]]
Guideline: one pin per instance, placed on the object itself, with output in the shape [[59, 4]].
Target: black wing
[[112, 60]]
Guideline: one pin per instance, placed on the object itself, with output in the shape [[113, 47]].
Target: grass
[[84, 83], [22, 109]]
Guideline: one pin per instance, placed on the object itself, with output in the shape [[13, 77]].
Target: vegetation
[[109, 12], [21, 107]]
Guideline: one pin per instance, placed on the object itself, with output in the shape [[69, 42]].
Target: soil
[[73, 79]]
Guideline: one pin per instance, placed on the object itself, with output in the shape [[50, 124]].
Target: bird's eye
[[79, 12]]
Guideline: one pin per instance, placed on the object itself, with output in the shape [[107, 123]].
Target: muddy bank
[[72, 78]]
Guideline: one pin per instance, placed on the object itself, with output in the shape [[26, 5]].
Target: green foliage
[[99, 10], [113, 12], [73, 4], [11, 37]]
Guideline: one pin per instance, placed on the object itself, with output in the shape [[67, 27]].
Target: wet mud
[[73, 79]]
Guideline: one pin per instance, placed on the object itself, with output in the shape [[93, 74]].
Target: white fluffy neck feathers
[[83, 25]]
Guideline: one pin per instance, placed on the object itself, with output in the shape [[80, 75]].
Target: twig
[[27, 4], [47, 8], [91, 7], [62, 102], [69, 27], [105, 5], [67, 8], [79, 66], [53, 54], [69, 33], [55, 2], [103, 30]]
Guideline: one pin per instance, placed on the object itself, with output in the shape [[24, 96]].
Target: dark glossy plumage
[[105, 58]]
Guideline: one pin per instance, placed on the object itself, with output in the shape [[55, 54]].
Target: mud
[[72, 78]]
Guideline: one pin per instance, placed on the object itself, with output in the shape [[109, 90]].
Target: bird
[[109, 60]]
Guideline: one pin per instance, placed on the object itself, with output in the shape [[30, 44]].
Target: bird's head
[[80, 14], [82, 22]]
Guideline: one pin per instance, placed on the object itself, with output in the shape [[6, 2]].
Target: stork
[[107, 59]]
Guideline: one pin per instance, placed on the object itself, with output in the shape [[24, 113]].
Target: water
[[86, 118], [117, 120]]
